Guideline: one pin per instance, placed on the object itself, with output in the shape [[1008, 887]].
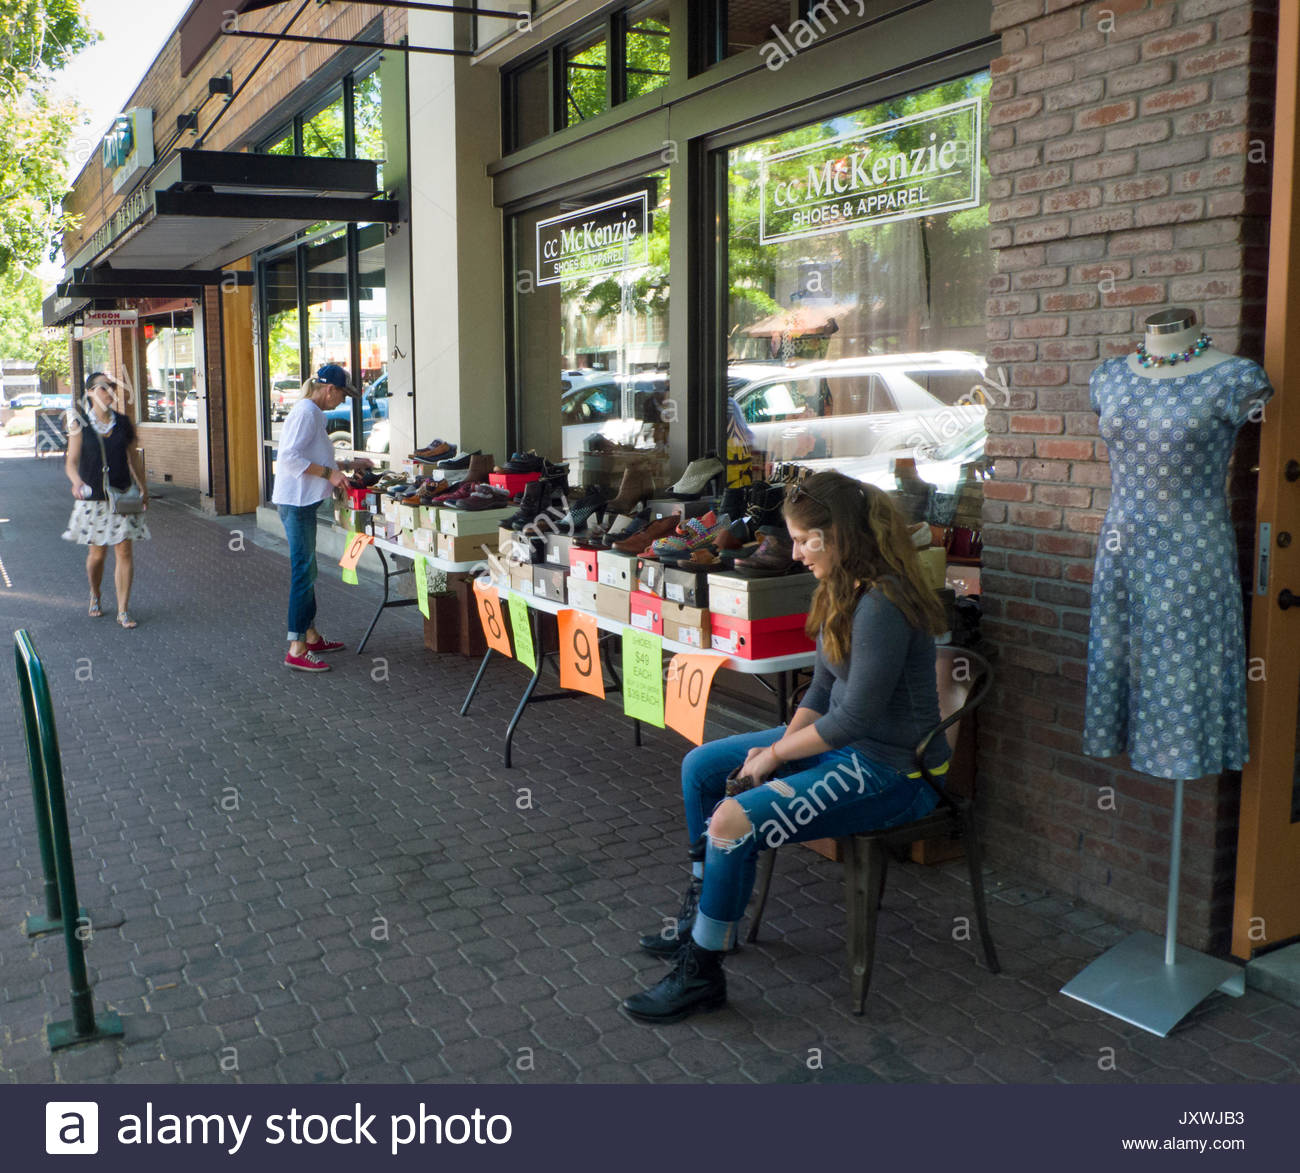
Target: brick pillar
[[1127, 149]]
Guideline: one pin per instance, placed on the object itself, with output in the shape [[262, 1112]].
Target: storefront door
[[1267, 908]]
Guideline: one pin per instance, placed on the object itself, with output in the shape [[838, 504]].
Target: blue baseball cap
[[336, 376]]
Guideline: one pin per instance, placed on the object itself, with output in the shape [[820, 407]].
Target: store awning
[[205, 209]]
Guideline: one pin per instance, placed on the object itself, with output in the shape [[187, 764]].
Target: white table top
[[735, 663], [437, 563]]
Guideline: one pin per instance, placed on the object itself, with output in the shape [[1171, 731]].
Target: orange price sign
[[494, 623], [686, 693], [579, 662], [356, 544]]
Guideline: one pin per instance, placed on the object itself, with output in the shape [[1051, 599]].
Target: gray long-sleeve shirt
[[885, 698]]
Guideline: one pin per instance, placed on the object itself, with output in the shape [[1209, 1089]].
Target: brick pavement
[[334, 879]]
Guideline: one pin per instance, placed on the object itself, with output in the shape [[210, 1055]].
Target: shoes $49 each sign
[[230, 1131]]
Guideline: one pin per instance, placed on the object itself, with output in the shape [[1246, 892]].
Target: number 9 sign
[[579, 663], [494, 625]]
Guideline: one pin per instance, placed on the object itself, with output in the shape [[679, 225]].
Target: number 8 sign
[[579, 662]]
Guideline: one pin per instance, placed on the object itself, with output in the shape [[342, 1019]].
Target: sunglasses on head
[[794, 492]]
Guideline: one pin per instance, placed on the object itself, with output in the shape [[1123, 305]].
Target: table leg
[[540, 661], [361, 647], [783, 697], [473, 688]]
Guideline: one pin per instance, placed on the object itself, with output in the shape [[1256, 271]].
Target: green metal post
[[84, 1026], [53, 917]]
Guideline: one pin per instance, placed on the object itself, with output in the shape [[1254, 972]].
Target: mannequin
[[1174, 333]]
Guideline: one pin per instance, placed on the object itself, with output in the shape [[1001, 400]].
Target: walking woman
[[845, 763], [96, 431], [305, 474]]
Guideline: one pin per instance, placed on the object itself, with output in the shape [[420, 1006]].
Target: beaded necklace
[[1161, 360]]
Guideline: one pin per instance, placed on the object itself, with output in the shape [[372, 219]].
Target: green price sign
[[349, 576], [523, 633], [422, 586], [643, 676]]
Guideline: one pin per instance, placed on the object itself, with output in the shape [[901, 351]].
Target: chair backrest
[[956, 672], [964, 679]]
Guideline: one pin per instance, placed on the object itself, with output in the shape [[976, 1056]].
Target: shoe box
[[425, 540], [557, 548], [465, 547], [686, 625], [613, 602], [382, 527], [582, 593], [521, 578], [650, 576], [757, 639], [760, 598], [934, 566], [686, 586], [352, 520], [548, 581], [665, 507], [582, 563], [616, 569], [513, 481], [462, 522], [645, 611]]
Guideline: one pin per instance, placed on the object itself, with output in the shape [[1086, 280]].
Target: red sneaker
[[307, 663], [325, 645]]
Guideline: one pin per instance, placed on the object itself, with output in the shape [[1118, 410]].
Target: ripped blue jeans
[[834, 793]]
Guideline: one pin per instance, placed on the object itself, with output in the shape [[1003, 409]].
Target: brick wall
[[1126, 148], [170, 451]]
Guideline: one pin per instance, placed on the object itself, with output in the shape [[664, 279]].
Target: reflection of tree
[[642, 291], [282, 345], [322, 134]]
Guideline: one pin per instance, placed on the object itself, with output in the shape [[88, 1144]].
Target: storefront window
[[530, 111], [283, 146], [858, 268], [647, 48], [591, 334], [170, 395], [585, 66], [741, 25], [329, 337], [96, 353], [324, 134], [283, 340], [368, 120], [372, 298]]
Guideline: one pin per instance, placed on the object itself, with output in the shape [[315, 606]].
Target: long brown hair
[[870, 546]]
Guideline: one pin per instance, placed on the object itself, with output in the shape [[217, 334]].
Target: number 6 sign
[[494, 625]]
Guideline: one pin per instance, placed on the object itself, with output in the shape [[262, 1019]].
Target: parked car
[[833, 414], [20, 399], [190, 407], [617, 407], [284, 394], [374, 406], [377, 441]]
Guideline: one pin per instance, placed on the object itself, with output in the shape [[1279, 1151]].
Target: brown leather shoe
[[637, 486], [774, 556], [480, 467], [644, 539]]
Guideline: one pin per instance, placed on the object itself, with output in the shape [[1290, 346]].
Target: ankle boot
[[530, 505], [479, 469], [696, 982], [637, 486], [668, 940]]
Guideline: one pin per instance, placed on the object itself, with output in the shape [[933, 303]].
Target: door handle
[[1286, 599]]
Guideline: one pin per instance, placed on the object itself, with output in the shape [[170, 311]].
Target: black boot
[[670, 938], [696, 982]]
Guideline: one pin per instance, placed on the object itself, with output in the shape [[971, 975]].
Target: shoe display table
[[781, 668], [386, 549]]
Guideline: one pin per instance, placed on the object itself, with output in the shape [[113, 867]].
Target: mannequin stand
[[1152, 984]]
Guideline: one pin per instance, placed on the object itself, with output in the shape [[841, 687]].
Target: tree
[[37, 38]]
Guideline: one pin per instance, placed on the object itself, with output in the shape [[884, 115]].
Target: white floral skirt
[[92, 524]]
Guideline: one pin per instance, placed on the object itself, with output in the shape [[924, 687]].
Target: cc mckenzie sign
[[918, 165], [603, 238]]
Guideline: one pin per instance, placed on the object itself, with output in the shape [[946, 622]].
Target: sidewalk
[[334, 879]]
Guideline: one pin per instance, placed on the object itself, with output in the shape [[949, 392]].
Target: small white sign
[[96, 319]]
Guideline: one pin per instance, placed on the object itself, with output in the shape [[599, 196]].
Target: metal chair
[[866, 854]]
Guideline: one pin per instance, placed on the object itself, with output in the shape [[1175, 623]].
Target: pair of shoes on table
[[636, 487], [523, 462], [694, 533], [478, 497], [641, 541], [458, 463], [774, 556], [697, 476], [433, 451], [592, 501]]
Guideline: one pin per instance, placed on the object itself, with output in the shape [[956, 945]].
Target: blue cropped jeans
[[834, 793], [300, 529]]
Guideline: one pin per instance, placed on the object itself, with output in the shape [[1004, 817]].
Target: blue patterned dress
[[1166, 650]]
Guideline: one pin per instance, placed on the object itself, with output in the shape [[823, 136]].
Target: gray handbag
[[124, 502]]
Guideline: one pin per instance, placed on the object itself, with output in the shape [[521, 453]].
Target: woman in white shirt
[[305, 474]]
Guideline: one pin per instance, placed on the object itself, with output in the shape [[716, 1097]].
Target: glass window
[[329, 336], [96, 353], [323, 134], [372, 298], [858, 267], [283, 341], [530, 104], [283, 145], [585, 67], [170, 394], [746, 24], [368, 121], [646, 48], [591, 335]]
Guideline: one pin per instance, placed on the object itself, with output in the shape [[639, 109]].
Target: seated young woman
[[845, 763]]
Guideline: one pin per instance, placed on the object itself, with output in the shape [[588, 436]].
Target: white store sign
[[610, 237], [918, 165], [97, 319]]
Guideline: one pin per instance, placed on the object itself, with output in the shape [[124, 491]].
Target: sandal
[[124, 620], [95, 611]]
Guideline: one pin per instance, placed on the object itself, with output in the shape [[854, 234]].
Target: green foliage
[[37, 38], [21, 334]]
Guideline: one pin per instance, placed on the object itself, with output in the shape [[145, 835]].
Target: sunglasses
[[794, 492]]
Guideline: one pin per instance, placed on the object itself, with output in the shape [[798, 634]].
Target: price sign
[[356, 543], [690, 678], [522, 632], [579, 662], [422, 586], [349, 576], [494, 624], [643, 676]]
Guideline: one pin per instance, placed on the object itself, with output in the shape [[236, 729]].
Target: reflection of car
[[24, 399], [828, 414], [377, 441], [190, 408], [374, 406], [284, 393], [617, 407]]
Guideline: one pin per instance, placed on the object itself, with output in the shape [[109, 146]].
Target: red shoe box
[[647, 612], [757, 639], [357, 497], [582, 563], [514, 481]]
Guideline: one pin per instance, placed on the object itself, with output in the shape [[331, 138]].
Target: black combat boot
[[670, 938], [696, 982]]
